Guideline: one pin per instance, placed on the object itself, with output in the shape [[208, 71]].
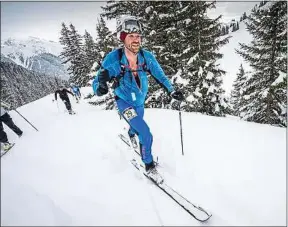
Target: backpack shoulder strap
[[120, 55], [142, 54], [144, 65]]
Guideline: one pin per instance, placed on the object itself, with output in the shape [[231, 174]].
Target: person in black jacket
[[62, 91], [7, 120]]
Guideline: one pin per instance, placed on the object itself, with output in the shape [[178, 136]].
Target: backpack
[[115, 81]]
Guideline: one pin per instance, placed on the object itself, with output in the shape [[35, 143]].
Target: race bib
[[129, 113]]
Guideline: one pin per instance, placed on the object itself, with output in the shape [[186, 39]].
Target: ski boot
[[134, 141], [152, 173], [7, 146], [71, 112]]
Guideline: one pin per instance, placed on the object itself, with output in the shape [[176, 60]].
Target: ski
[[125, 140], [193, 210], [4, 152]]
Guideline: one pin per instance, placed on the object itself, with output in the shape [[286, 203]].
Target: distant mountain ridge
[[35, 54]]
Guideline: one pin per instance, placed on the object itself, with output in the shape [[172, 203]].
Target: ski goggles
[[130, 26]]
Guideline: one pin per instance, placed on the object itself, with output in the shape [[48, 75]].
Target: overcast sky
[[43, 19]]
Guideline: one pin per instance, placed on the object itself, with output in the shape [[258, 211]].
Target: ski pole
[[181, 134], [115, 104], [57, 106], [26, 120]]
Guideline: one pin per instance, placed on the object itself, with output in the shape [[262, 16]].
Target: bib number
[[129, 113]]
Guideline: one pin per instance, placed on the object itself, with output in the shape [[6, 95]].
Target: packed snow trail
[[75, 170]]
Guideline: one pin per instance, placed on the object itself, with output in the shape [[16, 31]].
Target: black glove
[[178, 95], [102, 89]]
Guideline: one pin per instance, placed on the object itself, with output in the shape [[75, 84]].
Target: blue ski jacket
[[75, 89], [128, 89], [95, 83]]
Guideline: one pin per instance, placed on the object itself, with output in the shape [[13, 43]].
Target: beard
[[134, 47]]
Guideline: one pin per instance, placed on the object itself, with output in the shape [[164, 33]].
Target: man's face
[[133, 42]]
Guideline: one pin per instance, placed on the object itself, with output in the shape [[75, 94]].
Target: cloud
[[44, 19]]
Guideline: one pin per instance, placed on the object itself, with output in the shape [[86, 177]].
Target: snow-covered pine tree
[[57, 81], [244, 16], [79, 67], [227, 29], [106, 41], [266, 90], [91, 55], [90, 50], [65, 41], [73, 54], [161, 33], [223, 31], [236, 98], [113, 8], [200, 76], [162, 38], [262, 3]]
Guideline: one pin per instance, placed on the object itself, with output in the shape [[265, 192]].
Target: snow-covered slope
[[35, 54], [231, 60], [75, 170]]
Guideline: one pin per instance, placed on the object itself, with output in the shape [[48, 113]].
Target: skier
[[76, 91], [126, 68], [62, 91], [6, 119]]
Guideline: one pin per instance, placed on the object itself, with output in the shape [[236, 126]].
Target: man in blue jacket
[[127, 69]]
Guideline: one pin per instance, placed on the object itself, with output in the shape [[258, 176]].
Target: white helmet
[[72, 84], [128, 24]]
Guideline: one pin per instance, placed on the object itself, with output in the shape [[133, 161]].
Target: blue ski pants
[[134, 117]]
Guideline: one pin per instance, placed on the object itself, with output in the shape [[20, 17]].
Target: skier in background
[[127, 69], [76, 91], [7, 120], [62, 91]]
